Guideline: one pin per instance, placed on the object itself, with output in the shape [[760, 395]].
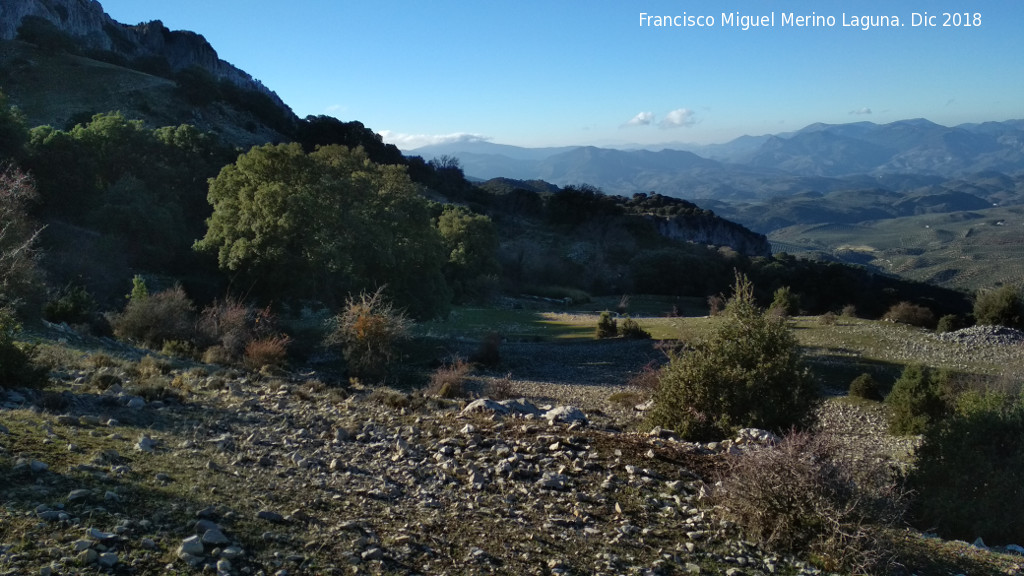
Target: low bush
[[180, 349], [969, 468], [801, 497], [631, 329], [449, 381], [151, 366], [232, 325], [71, 305], [915, 401], [154, 319], [369, 330], [488, 355], [865, 387], [785, 303], [949, 323], [828, 319], [849, 311], [501, 388], [748, 373], [648, 379], [912, 314], [17, 366], [1003, 306], [272, 352], [607, 327]]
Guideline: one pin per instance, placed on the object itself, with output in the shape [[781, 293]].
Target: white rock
[[145, 444], [192, 546], [109, 560], [566, 414], [215, 538]]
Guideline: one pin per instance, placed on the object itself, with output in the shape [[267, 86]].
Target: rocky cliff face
[[714, 231], [86, 21]]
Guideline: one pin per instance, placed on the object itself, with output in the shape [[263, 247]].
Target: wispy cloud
[[678, 118], [336, 109], [641, 119], [412, 141], [861, 111]]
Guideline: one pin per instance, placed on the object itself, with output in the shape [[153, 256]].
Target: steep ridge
[[93, 29]]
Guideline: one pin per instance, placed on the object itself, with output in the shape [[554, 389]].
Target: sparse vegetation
[[449, 381], [802, 497]]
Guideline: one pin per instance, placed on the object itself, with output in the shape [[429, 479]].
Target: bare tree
[[19, 270]]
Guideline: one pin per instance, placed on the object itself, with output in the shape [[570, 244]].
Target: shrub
[[232, 325], [179, 349], [949, 323], [369, 330], [1000, 307], [217, 355], [915, 401], [648, 379], [849, 311], [607, 327], [785, 303], [912, 314], [866, 387], [488, 355], [71, 304], [828, 319], [153, 320], [715, 305], [801, 497], [968, 471], [449, 381], [501, 388], [747, 373], [151, 366], [272, 352], [17, 366], [20, 277], [101, 360], [631, 329]]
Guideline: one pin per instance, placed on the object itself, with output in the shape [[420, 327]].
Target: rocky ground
[[135, 467]]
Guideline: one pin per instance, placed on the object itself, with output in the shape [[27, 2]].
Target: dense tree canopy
[[471, 244], [324, 225]]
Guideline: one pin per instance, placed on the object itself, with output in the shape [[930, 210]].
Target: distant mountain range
[[820, 158]]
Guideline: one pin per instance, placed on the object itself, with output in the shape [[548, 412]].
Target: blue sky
[[569, 72]]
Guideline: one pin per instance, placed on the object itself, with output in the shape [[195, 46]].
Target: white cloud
[[861, 111], [641, 119], [678, 118], [413, 141]]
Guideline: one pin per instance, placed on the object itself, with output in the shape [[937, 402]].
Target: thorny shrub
[[802, 497], [368, 330], [449, 381]]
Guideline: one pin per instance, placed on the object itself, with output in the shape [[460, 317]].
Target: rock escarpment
[[92, 29], [713, 231]]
